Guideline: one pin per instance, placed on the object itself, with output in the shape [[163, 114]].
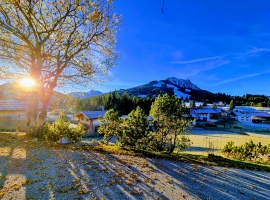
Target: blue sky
[[222, 46]]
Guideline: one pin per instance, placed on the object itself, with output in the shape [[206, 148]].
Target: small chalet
[[255, 117], [89, 119], [206, 114], [261, 117], [194, 116]]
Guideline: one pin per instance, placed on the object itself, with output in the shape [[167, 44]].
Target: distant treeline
[[247, 99], [125, 103]]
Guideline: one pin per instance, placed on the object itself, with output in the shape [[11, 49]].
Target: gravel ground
[[37, 173]]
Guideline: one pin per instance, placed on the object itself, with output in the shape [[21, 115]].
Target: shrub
[[182, 143], [61, 128], [75, 134], [248, 151]]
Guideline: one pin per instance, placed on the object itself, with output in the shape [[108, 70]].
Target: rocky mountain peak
[[185, 83]]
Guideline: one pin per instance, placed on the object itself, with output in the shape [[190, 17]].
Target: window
[[213, 116]]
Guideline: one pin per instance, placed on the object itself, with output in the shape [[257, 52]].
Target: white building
[[206, 114], [255, 117]]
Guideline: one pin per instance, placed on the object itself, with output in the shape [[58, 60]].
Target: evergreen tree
[[135, 130], [213, 106], [232, 105], [111, 124], [268, 103], [259, 105], [135, 101], [126, 104], [192, 104], [116, 101], [108, 102], [170, 121], [78, 105]]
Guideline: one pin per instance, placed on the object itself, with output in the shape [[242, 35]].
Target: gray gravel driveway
[[40, 173]]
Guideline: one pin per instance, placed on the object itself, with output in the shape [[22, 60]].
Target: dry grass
[[220, 140]]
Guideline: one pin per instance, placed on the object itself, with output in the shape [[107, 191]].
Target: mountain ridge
[[83, 95], [182, 88]]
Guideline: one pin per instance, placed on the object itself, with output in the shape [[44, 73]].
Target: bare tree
[[56, 42]]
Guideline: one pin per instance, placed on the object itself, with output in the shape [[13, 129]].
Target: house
[[261, 117], [89, 119], [206, 114], [255, 117], [13, 108], [241, 116], [194, 117], [13, 115]]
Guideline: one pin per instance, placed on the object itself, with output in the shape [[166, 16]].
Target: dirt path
[[66, 174]]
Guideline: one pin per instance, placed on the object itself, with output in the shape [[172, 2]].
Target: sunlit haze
[[27, 82]]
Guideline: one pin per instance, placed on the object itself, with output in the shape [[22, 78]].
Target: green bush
[[248, 151], [182, 143], [75, 134], [61, 128]]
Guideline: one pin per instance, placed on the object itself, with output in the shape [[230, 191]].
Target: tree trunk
[[32, 113], [173, 143], [36, 120], [43, 114]]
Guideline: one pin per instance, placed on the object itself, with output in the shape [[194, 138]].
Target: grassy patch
[[220, 140]]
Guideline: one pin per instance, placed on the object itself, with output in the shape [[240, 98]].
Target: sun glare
[[27, 82]]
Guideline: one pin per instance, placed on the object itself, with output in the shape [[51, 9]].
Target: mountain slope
[[85, 94], [180, 87]]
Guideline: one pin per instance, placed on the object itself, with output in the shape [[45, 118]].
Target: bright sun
[[27, 82]]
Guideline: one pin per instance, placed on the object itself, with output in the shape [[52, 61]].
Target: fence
[[13, 124]]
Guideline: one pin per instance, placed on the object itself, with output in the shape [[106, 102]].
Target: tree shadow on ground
[[211, 182], [65, 173]]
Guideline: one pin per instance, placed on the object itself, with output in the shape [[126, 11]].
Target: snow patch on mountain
[[180, 94], [175, 89], [187, 90], [183, 83]]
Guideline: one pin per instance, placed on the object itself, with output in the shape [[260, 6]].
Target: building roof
[[260, 114], [194, 114], [206, 110], [6, 105], [252, 114], [92, 114]]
